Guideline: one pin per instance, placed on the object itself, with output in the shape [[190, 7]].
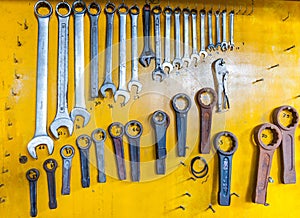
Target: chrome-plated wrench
[[218, 30], [231, 22], [202, 52], [195, 55], [177, 62], [186, 39], [224, 44], [99, 137], [211, 45], [67, 153], [167, 61]]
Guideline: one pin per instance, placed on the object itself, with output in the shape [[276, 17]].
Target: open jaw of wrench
[[147, 53], [41, 136], [160, 122], [62, 117], [116, 132], [231, 23], [79, 109], [186, 36], [84, 143], [268, 137], [202, 52], [94, 10], [50, 166], [195, 55], [287, 119], [207, 99], [133, 131], [108, 84], [211, 45], [221, 77], [99, 137], [67, 153], [229, 141], [224, 44], [181, 104], [177, 62], [134, 12], [218, 29], [32, 176], [167, 61]]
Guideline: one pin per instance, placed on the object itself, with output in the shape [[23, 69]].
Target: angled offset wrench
[[80, 107], [62, 117], [167, 61], [202, 52], [177, 62], [186, 39], [40, 135], [195, 55]]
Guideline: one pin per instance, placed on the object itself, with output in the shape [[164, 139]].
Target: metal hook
[[211, 208], [245, 10], [235, 194], [239, 10], [284, 19]]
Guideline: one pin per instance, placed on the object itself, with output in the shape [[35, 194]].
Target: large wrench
[[109, 9], [211, 45], [224, 44], [62, 117], [195, 55], [40, 136], [186, 39], [218, 29], [202, 52], [177, 62], [167, 61], [80, 108]]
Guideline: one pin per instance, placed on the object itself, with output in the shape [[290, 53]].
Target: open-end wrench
[[224, 44], [207, 99], [177, 62], [32, 176], [50, 166], [108, 84], [160, 121], [122, 89], [67, 153], [94, 10], [41, 136], [186, 36], [288, 141], [62, 117], [147, 53], [167, 61], [116, 132], [225, 165], [231, 23], [181, 120], [195, 55], [133, 131], [268, 137], [158, 71], [202, 52], [134, 12], [79, 109], [98, 137], [211, 45], [218, 30]]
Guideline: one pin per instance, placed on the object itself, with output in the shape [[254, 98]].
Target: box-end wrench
[[177, 62], [218, 29], [211, 45], [122, 89], [158, 71], [41, 136], [186, 36], [32, 176], [231, 23], [167, 61], [62, 117], [94, 11], [67, 153], [80, 107], [202, 52], [99, 137], [195, 55], [108, 84], [50, 166], [134, 12], [224, 44]]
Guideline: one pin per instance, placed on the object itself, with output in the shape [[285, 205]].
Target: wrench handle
[[177, 36], [205, 129], [33, 198], [186, 35], [168, 38], [210, 33], [194, 33], [218, 29], [224, 26], [85, 169], [108, 50], [147, 26], [134, 46], [122, 53], [231, 22], [134, 147], [157, 40], [100, 161], [202, 32], [66, 176], [51, 190], [161, 150], [181, 124], [288, 155], [119, 150]]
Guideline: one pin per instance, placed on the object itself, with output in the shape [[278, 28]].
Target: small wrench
[[186, 39], [41, 136], [84, 159], [94, 50], [109, 9], [62, 117], [167, 61], [50, 166], [195, 55], [202, 52], [134, 12], [211, 45], [79, 108], [218, 30], [99, 137], [32, 176], [177, 62], [231, 22], [224, 44], [67, 153]]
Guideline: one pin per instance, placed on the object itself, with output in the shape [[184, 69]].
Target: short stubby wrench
[[116, 132], [94, 48], [267, 145], [195, 55], [206, 110], [158, 71], [84, 143], [202, 52], [160, 122], [32, 176], [41, 136], [224, 44], [177, 62], [134, 12], [181, 109], [99, 137], [225, 166], [218, 30], [288, 141], [80, 107], [62, 117], [231, 25], [211, 45], [50, 166], [133, 131], [67, 153], [122, 89], [108, 84], [167, 61], [147, 53], [186, 36]]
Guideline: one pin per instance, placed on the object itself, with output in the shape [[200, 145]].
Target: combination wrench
[[122, 89], [67, 153], [211, 45], [41, 136], [195, 55], [167, 61], [224, 44], [177, 62], [202, 52], [62, 117], [32, 176], [99, 137], [231, 23], [218, 30], [50, 166], [186, 39], [80, 107]]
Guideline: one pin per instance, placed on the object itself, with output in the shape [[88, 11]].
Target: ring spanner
[[32, 176], [50, 166], [67, 153], [99, 137]]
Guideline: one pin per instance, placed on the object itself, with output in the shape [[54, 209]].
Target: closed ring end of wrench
[[88, 142], [41, 4], [137, 123], [116, 124], [277, 136], [295, 116], [134, 10], [123, 9], [64, 5], [40, 140], [79, 4], [110, 8], [97, 131], [187, 106], [66, 147], [212, 103], [233, 139], [94, 6]]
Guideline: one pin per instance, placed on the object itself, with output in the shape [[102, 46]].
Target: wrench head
[[195, 57], [187, 60], [107, 86], [178, 63], [224, 46], [231, 46], [167, 65], [59, 122], [218, 44], [211, 47], [203, 54], [82, 112], [146, 57], [123, 93], [40, 140], [158, 72], [135, 83]]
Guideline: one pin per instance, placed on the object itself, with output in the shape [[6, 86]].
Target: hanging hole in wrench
[[32, 174], [181, 102], [123, 9], [135, 10], [116, 130], [43, 9], [167, 10], [50, 165], [94, 9], [134, 129], [63, 9], [186, 11], [67, 151], [110, 8], [156, 9], [79, 7], [177, 10], [84, 142]]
